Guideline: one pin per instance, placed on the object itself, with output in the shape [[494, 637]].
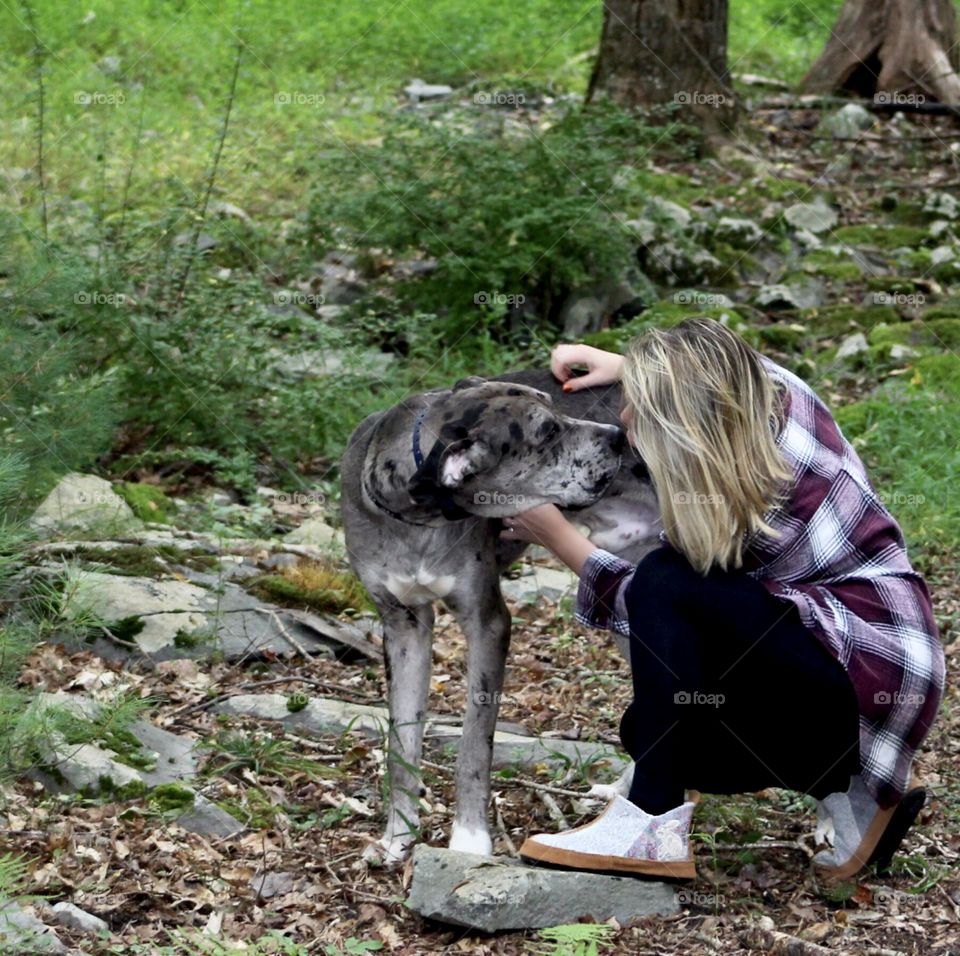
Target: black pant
[[732, 693]]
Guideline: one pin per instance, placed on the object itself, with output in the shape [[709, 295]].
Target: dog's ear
[[448, 467], [461, 459], [471, 381]]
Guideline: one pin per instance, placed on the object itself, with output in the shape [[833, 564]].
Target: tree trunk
[[654, 52], [882, 48]]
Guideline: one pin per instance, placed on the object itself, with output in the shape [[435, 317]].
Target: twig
[[211, 179], [119, 640], [226, 695], [502, 827], [545, 788], [553, 810], [781, 944], [129, 177], [39, 52], [771, 845], [291, 640]]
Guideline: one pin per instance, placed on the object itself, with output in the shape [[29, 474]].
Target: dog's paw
[[604, 791], [471, 840], [824, 834], [619, 788], [387, 852]]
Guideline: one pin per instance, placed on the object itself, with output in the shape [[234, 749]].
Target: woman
[[778, 636]]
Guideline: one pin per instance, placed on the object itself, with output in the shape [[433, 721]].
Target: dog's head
[[502, 448]]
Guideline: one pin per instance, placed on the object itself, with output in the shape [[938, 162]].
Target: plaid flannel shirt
[[841, 560]]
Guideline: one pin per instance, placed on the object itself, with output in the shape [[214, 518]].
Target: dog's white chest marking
[[616, 525], [422, 587]]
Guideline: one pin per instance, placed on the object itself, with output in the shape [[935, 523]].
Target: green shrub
[[506, 213]]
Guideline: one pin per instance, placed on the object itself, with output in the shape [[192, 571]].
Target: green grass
[[338, 64], [907, 435]]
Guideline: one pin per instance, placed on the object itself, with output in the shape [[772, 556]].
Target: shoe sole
[[882, 839], [539, 853]]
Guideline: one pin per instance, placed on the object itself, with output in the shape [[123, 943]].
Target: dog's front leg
[[485, 622], [407, 650]]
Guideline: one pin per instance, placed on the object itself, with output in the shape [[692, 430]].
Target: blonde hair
[[705, 416]]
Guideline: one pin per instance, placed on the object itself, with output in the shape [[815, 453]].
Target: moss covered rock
[[147, 502]]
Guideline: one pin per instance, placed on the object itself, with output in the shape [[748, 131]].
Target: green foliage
[[171, 798], [297, 702], [259, 753], [906, 434], [148, 502], [576, 939], [509, 216], [58, 406], [197, 943]]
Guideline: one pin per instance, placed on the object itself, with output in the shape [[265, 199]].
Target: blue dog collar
[[417, 453]]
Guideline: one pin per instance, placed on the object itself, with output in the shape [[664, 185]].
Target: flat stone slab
[[492, 894], [183, 619], [326, 715], [22, 933]]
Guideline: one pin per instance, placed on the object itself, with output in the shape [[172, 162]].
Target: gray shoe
[[859, 831]]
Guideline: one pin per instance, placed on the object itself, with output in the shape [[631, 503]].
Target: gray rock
[[813, 217], [739, 233], [940, 229], [92, 767], [418, 90], [270, 884], [581, 314], [205, 242], [84, 503], [586, 309], [319, 363], [328, 716], [899, 351], [22, 933], [176, 755], [109, 65], [645, 230], [942, 254], [797, 295], [414, 268], [540, 582], [184, 620], [166, 607], [315, 531], [942, 204], [852, 345], [207, 819], [847, 122], [464, 889], [278, 561], [341, 285], [73, 917], [664, 210], [228, 210]]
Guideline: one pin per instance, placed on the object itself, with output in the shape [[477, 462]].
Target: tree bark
[[885, 48], [655, 52]]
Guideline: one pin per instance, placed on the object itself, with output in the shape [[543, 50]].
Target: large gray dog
[[423, 486]]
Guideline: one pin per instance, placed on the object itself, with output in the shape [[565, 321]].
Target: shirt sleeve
[[604, 579]]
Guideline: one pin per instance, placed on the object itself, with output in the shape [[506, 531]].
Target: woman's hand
[[546, 525], [603, 368], [539, 525]]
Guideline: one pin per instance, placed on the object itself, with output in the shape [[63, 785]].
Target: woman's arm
[[603, 576], [603, 368], [546, 525]]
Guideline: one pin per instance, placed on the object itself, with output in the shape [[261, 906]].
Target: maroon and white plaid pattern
[[841, 560]]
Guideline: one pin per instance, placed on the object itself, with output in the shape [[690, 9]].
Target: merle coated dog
[[424, 485]]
